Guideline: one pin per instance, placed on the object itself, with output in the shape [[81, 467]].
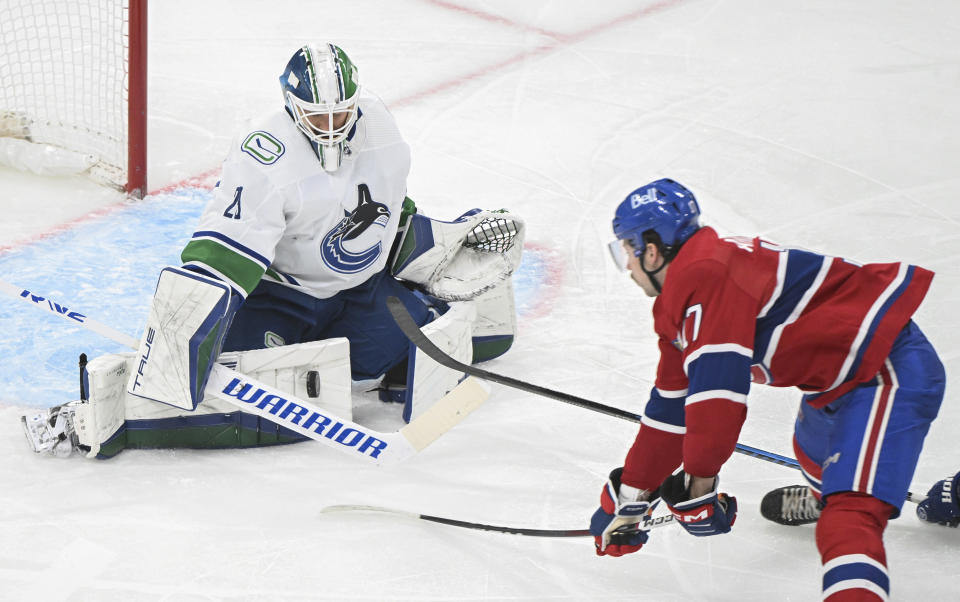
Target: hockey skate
[[52, 431], [792, 505]]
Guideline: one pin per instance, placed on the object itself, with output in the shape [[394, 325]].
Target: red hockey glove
[[709, 514], [620, 510]]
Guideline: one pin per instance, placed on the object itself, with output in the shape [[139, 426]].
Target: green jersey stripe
[[242, 270]]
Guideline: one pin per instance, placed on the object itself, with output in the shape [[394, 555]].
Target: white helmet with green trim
[[321, 90]]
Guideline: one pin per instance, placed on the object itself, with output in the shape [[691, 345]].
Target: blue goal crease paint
[[109, 266]]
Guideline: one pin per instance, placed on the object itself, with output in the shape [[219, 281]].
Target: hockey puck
[[313, 384]]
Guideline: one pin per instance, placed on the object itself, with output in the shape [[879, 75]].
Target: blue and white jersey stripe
[[721, 350], [665, 411], [871, 322], [856, 571], [799, 276], [719, 371]]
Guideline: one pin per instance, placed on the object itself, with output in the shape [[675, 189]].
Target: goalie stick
[[409, 327], [648, 523], [299, 415]]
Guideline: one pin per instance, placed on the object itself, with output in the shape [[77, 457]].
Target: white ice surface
[[826, 124]]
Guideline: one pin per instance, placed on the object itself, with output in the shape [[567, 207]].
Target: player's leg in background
[[875, 436]]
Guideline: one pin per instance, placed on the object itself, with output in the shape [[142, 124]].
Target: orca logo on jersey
[[368, 213]]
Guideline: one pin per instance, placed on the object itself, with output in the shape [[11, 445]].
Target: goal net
[[73, 89]]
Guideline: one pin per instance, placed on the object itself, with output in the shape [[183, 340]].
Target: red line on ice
[[554, 273], [562, 41]]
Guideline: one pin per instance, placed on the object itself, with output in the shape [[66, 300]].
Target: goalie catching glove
[[462, 259], [621, 511]]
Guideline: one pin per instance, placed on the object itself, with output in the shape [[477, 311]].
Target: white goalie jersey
[[277, 214]]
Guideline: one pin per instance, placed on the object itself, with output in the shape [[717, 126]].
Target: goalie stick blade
[[443, 415], [451, 522]]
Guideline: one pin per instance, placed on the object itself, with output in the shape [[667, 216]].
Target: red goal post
[[73, 89]]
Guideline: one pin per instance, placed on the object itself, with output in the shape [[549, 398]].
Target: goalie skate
[[792, 505], [51, 431]]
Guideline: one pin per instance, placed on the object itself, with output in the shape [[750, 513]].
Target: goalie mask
[[321, 91]]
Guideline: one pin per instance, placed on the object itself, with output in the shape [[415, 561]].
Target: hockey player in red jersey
[[731, 311]]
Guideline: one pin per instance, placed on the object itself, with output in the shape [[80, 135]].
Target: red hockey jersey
[[737, 310]]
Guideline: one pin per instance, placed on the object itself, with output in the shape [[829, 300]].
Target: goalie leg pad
[[470, 331], [427, 380], [188, 319], [113, 420], [94, 425], [496, 324], [100, 419], [317, 370]]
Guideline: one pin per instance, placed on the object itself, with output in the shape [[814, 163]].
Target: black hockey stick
[[649, 523], [409, 327]]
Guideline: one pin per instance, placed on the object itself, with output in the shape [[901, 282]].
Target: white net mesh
[[64, 78]]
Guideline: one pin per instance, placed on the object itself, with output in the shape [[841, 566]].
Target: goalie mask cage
[[73, 78]]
